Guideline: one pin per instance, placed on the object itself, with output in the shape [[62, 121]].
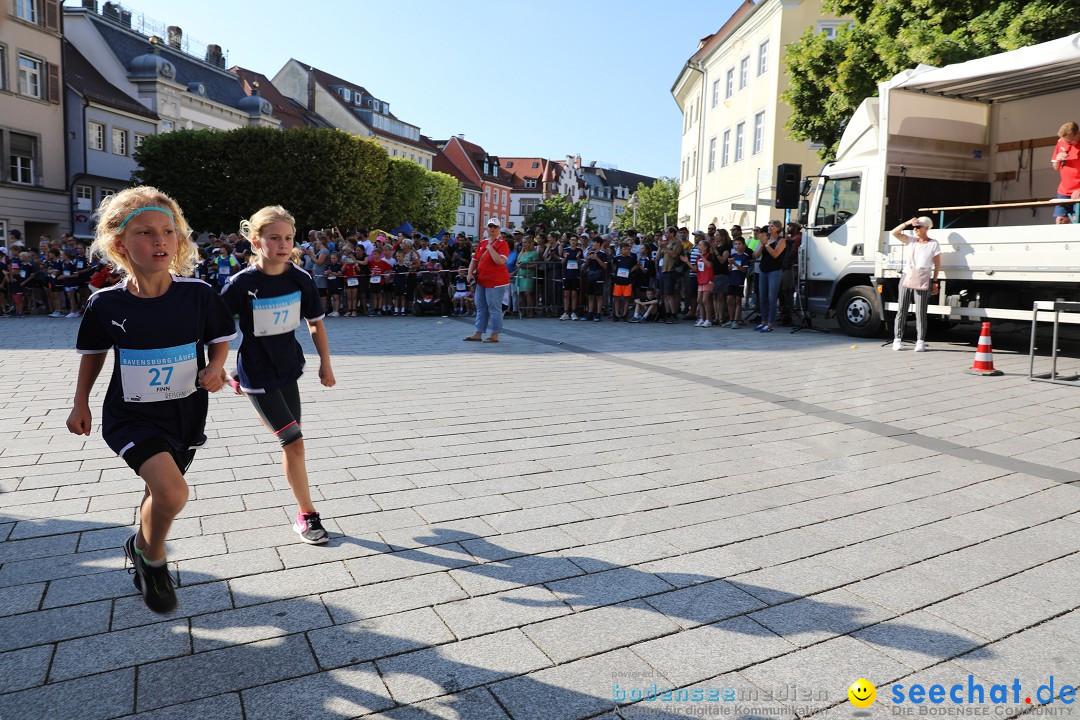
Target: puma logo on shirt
[[120, 325]]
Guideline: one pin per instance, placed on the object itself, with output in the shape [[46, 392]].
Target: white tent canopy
[[1034, 70]]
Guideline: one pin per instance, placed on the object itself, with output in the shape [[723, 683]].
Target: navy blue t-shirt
[[572, 268], [626, 263], [270, 308], [738, 273], [158, 349]]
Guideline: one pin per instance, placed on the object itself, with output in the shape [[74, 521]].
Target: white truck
[[968, 145]]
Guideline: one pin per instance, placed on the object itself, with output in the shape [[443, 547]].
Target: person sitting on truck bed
[[1066, 160], [920, 259]]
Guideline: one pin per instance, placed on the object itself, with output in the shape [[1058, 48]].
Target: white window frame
[[530, 183], [461, 218], [716, 92], [744, 72], [763, 58], [95, 135], [725, 150], [503, 197], [471, 220], [759, 133], [84, 192], [740, 138], [830, 27], [487, 195], [729, 82], [137, 140], [27, 76], [105, 192], [15, 173], [693, 166], [472, 200], [27, 6], [712, 153], [120, 134]]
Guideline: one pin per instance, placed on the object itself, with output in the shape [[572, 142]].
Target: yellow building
[[733, 118]]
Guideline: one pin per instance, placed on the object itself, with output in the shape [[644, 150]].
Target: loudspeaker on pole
[[788, 177]]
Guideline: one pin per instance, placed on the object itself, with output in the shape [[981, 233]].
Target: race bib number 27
[[159, 374]]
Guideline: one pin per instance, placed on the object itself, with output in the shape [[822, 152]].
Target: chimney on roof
[[125, 17], [176, 36], [111, 11], [90, 5], [311, 89], [214, 56]]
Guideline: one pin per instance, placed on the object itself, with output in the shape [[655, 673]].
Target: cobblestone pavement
[[554, 526]]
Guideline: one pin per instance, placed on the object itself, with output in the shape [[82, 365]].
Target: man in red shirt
[[488, 266], [1066, 160]]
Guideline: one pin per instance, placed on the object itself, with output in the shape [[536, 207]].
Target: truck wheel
[[858, 312]]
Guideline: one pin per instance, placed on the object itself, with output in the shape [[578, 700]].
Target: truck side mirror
[[804, 210], [804, 187]]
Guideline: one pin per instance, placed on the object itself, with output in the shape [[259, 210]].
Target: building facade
[[484, 171], [350, 107], [533, 180], [186, 87], [467, 219], [733, 117], [33, 197], [608, 190], [104, 128]]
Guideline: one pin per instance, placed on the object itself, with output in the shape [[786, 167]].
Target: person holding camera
[[922, 263]]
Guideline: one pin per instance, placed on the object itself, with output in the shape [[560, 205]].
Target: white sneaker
[[897, 345], [920, 346], [564, 316], [699, 323], [706, 324], [334, 314], [73, 315], [573, 316], [56, 314]]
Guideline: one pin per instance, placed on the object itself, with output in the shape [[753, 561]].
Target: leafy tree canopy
[[557, 214], [829, 79], [652, 205]]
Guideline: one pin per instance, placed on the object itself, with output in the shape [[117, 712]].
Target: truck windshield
[[839, 200]]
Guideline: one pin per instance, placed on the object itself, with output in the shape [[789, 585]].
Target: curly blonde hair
[[115, 208], [252, 228]]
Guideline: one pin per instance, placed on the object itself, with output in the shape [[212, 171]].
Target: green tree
[[406, 193], [829, 79], [557, 214], [653, 203], [323, 177], [442, 195]]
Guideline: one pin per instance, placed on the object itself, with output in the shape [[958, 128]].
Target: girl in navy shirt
[[169, 334], [271, 297]]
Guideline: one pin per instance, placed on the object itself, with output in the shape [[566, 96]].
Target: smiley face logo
[[862, 693]]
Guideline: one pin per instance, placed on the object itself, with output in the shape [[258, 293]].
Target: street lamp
[[633, 203]]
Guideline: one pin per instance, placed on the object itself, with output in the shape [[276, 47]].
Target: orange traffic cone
[[984, 355]]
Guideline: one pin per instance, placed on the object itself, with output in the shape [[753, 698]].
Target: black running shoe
[[309, 527], [155, 583]]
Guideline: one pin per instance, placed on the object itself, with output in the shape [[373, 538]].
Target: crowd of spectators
[[712, 278]]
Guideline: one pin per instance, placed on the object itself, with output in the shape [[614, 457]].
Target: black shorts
[[572, 281], [594, 287], [139, 453], [334, 287], [280, 410], [735, 291], [668, 283]]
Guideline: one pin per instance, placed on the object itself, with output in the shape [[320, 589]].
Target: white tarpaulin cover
[[1035, 70]]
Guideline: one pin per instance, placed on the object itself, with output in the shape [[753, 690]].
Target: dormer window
[[535, 165], [487, 168], [510, 164]]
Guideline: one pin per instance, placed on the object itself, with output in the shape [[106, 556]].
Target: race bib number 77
[[276, 315], [159, 374]]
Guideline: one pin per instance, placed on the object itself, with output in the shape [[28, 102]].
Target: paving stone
[[47, 626], [575, 690], [258, 622], [20, 598], [392, 597], [584, 633], [239, 564], [705, 603], [124, 648], [810, 620], [512, 608], [477, 704], [515, 572], [920, 639], [607, 588], [379, 637], [407, 563], [21, 669], [219, 707], [461, 665], [994, 611], [345, 692], [296, 582], [96, 697], [220, 671]]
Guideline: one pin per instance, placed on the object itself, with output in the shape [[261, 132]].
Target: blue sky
[[549, 78]]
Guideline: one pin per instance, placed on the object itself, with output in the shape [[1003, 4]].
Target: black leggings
[[280, 410]]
